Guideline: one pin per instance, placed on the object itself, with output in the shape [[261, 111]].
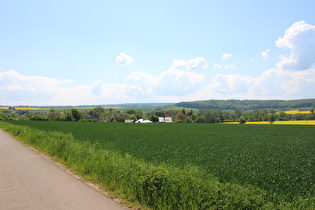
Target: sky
[[111, 52]]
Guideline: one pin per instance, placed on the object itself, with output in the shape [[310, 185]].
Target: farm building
[[129, 120], [143, 121], [165, 120]]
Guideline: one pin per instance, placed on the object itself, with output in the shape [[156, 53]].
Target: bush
[[200, 119], [88, 120], [154, 118], [189, 120], [23, 117], [39, 118], [272, 118], [242, 120]]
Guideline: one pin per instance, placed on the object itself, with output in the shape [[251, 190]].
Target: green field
[[277, 159]]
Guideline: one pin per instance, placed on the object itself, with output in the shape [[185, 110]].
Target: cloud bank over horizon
[[292, 77]]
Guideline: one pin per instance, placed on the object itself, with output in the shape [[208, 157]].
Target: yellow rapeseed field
[[297, 112], [4, 107], [31, 108], [296, 122]]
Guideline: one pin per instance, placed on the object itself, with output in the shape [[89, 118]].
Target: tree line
[[246, 105], [204, 115]]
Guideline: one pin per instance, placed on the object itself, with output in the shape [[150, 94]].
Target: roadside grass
[[158, 186]]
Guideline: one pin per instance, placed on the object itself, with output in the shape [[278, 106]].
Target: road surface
[[30, 181]]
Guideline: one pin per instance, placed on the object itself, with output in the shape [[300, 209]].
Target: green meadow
[[185, 166]]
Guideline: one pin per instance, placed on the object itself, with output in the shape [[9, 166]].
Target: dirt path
[[30, 181]]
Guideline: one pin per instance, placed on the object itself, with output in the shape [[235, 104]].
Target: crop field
[[297, 112], [279, 160]]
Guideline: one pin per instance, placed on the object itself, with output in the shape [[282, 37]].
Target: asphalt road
[[30, 181]]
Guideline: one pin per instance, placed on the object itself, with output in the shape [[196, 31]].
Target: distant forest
[[249, 104]]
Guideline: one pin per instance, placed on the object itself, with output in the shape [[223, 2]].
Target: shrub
[[242, 120], [189, 120]]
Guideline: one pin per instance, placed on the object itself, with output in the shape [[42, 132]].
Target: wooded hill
[[249, 104]]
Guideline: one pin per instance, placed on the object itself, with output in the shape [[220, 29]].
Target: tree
[[312, 111], [22, 118], [180, 116], [238, 113], [52, 114], [189, 120], [200, 119], [153, 118], [139, 114], [210, 117], [272, 118], [14, 116], [131, 111], [69, 116], [242, 120], [30, 116], [60, 116], [76, 114], [282, 116], [3, 116]]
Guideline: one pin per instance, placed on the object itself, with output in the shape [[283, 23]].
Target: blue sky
[[106, 52]]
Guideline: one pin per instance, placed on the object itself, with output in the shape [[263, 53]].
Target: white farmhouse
[[129, 120], [165, 120], [143, 121]]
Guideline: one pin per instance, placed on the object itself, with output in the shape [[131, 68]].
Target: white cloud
[[217, 66], [232, 66], [170, 82], [124, 59], [253, 60], [300, 39], [12, 80], [178, 83], [179, 63], [272, 83], [264, 54], [197, 63], [226, 56]]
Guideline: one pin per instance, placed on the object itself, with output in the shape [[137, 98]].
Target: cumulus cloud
[[226, 56], [272, 83], [300, 39], [220, 66], [175, 82], [12, 80], [171, 82], [264, 54], [217, 66], [124, 59], [179, 63], [197, 63]]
